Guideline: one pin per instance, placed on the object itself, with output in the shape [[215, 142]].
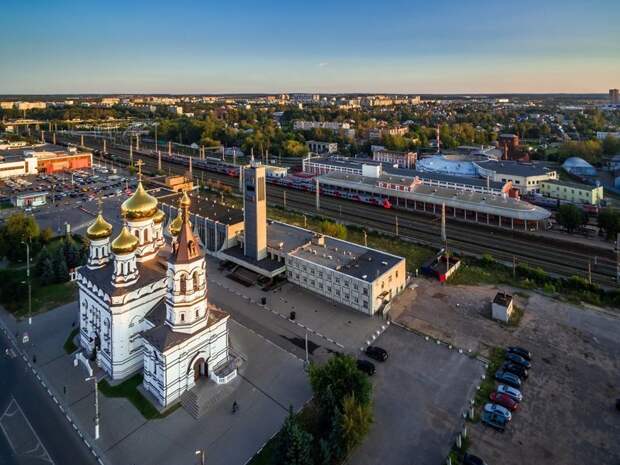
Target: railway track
[[554, 256]]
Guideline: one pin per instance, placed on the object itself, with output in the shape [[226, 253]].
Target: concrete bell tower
[[255, 211]]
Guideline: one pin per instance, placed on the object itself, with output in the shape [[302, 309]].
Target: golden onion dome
[[125, 242], [185, 200], [140, 205], [159, 216], [175, 225], [100, 229]]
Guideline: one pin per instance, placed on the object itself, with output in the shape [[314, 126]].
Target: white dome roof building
[[578, 166]]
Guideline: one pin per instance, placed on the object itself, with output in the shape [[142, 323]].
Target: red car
[[504, 400]]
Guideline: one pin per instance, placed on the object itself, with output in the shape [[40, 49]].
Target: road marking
[[16, 409]]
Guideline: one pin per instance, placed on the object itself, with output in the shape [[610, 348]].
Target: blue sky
[[182, 46]]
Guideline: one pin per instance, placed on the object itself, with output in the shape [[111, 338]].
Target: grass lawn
[[488, 384], [14, 293], [129, 390], [69, 345]]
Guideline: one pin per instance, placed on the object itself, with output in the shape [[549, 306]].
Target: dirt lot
[[567, 416]]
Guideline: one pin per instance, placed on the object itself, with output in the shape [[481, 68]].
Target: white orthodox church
[[143, 303]]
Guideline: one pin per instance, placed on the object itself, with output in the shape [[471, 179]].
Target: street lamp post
[[94, 379], [201, 454], [29, 283]]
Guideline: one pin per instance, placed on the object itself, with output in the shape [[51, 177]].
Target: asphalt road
[[33, 430]]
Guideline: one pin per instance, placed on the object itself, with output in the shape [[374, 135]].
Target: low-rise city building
[[320, 147], [572, 192]]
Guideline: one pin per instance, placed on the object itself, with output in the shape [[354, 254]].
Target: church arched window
[[195, 280], [182, 284], [146, 235]]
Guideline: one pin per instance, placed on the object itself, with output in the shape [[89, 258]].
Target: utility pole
[[396, 224], [365, 238], [130, 151], [307, 362], [137, 142], [190, 167], [81, 140], [54, 138], [590, 271], [318, 201], [305, 221], [104, 147], [28, 280], [94, 379], [201, 454], [158, 159], [514, 267], [284, 198], [241, 179], [170, 148]]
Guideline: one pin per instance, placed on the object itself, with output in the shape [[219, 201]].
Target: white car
[[499, 410], [510, 392]]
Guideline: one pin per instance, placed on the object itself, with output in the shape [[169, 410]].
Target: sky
[[240, 46]]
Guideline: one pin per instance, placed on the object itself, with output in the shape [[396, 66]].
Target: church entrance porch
[[201, 369]]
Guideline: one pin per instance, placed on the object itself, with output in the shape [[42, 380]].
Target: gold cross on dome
[[139, 164]]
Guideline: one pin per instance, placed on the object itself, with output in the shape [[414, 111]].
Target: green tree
[[17, 229], [339, 377], [294, 148], [46, 235], [73, 252], [334, 229], [609, 221], [570, 217], [294, 445], [44, 268], [356, 421], [59, 266], [611, 145]]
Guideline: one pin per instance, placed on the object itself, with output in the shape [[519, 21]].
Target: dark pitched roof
[[149, 272], [162, 337]]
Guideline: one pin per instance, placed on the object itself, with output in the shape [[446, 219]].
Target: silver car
[[511, 392], [498, 409]]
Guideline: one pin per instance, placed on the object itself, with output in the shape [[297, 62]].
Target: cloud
[[323, 64]]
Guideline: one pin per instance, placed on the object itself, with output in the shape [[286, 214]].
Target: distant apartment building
[[378, 133], [333, 126], [305, 98], [384, 101], [175, 109], [319, 147], [602, 135], [572, 192], [614, 96], [110, 101], [401, 159], [7, 105]]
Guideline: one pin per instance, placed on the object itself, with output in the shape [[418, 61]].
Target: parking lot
[[69, 188], [573, 383], [420, 393]]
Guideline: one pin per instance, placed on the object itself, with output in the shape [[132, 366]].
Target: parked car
[[519, 360], [511, 392], [526, 354], [366, 366], [508, 378], [496, 408], [469, 459], [516, 369], [377, 353], [504, 400], [494, 420]]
